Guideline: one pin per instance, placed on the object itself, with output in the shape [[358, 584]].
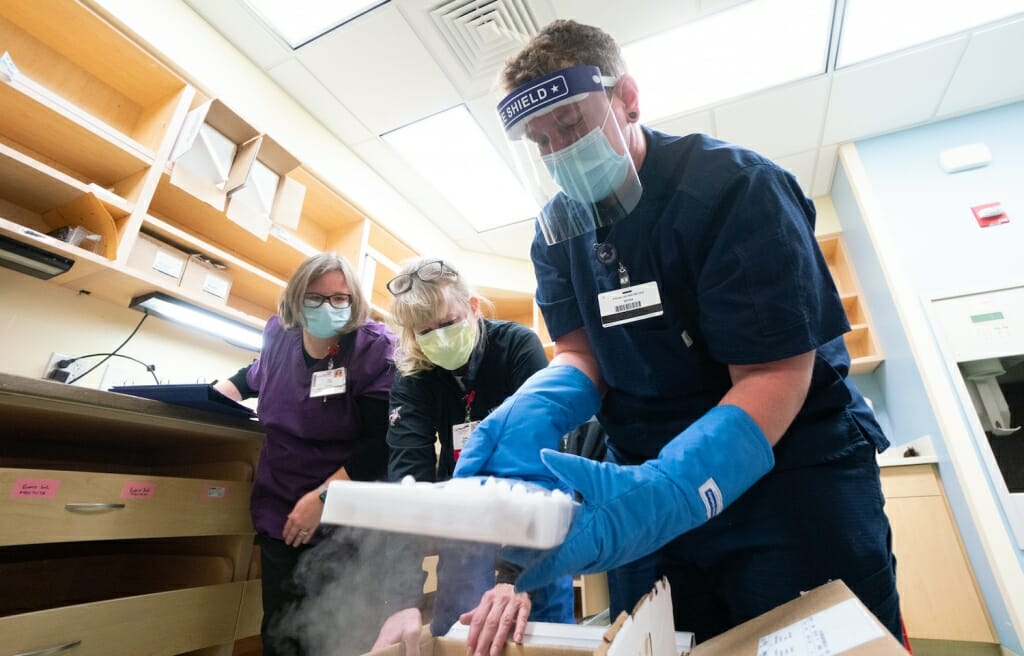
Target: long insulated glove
[[630, 511], [508, 442]]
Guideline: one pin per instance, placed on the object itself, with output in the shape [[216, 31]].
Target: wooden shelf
[[56, 130], [176, 207], [861, 341]]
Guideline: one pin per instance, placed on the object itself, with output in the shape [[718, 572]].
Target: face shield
[[570, 152]]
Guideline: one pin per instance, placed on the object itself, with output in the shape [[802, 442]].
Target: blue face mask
[[588, 170], [325, 321]]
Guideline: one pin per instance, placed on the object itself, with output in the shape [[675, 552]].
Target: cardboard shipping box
[[826, 621], [156, 259], [206, 279]]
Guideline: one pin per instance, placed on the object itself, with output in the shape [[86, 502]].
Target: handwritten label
[[214, 492], [35, 488], [138, 490]]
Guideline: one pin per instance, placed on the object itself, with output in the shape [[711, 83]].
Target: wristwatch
[[323, 493]]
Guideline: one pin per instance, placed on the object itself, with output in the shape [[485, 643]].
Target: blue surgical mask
[[325, 321], [588, 170]]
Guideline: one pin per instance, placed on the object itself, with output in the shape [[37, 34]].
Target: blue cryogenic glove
[[630, 511], [508, 442]]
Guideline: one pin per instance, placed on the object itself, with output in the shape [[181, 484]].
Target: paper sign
[[214, 492], [138, 490], [832, 631], [35, 488]]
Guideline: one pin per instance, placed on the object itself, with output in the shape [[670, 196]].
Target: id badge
[[327, 383], [461, 433], [629, 304]]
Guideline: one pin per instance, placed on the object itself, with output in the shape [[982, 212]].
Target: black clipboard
[[198, 395]]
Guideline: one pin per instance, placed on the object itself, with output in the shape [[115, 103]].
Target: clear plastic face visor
[[570, 153]]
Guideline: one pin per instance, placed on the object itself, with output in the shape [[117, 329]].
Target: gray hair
[[290, 308], [425, 303]]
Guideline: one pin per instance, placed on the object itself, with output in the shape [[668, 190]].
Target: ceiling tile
[[511, 240], [778, 122], [891, 93], [802, 166], [630, 21], [983, 77], [824, 171], [682, 125], [307, 90], [244, 30], [378, 68]]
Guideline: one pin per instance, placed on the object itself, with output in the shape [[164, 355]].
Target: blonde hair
[[426, 302], [561, 44], [290, 307]]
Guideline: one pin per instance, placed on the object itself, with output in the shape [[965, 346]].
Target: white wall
[[40, 318]]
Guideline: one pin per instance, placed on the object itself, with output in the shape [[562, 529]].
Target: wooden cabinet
[[125, 525], [861, 341], [89, 123], [939, 596]]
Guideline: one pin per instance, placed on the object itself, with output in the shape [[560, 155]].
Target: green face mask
[[448, 347]]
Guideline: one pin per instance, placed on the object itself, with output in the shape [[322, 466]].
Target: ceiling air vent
[[482, 34]]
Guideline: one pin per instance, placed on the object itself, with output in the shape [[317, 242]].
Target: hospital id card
[[629, 304], [327, 383], [461, 433]]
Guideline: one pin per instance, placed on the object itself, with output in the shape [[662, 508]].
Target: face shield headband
[[564, 138]]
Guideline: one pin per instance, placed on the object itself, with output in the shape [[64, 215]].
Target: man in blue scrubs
[[693, 313]]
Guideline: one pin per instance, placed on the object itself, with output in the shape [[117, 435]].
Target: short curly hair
[[561, 44]]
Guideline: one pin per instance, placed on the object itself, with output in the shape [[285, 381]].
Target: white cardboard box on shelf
[[213, 152], [157, 259], [207, 279], [263, 194]]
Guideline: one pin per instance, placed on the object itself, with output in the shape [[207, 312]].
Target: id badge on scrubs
[[629, 304], [461, 433], [327, 383]]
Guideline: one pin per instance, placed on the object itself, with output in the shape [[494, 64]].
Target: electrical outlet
[[64, 374]]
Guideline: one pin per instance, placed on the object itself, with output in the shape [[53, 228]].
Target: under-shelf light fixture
[[33, 261], [186, 314]]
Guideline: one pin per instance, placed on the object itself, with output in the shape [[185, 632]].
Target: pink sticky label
[[211, 491], [138, 490], [35, 488]]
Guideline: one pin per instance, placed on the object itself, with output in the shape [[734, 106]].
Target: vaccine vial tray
[[492, 510]]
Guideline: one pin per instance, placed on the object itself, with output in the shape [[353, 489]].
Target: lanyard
[[332, 351], [470, 395]]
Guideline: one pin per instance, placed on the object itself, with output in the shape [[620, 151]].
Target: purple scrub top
[[308, 439]]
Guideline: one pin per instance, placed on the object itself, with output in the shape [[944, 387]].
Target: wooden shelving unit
[[861, 341], [127, 528]]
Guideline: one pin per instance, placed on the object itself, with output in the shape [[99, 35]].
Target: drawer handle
[[52, 650], [74, 507]]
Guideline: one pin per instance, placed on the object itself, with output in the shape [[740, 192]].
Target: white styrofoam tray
[[490, 510]]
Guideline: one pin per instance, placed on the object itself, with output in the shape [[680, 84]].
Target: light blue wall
[[927, 213]]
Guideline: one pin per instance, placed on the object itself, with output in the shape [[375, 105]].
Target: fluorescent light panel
[[872, 28], [30, 260], [300, 21], [454, 155], [186, 314], [753, 46]]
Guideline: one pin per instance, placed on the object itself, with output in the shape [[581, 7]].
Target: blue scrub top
[[729, 238]]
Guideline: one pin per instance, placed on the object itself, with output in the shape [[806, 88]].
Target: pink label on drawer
[[138, 490], [211, 491], [35, 488]]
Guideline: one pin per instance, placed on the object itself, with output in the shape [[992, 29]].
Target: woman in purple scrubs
[[322, 378]]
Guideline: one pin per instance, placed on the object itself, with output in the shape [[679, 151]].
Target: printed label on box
[[216, 285], [168, 264], [35, 488], [214, 492], [138, 490], [832, 631]]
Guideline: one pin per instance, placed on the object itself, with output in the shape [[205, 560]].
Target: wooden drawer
[[250, 615], [156, 624], [910, 481], [122, 506]]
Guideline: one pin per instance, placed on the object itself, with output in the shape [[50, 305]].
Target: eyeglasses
[[313, 300], [429, 272]]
